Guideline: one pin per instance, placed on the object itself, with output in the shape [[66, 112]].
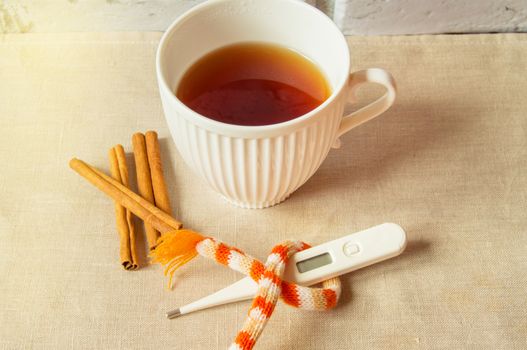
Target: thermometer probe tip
[[173, 314]]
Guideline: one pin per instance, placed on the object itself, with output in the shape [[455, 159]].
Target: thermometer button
[[351, 248]]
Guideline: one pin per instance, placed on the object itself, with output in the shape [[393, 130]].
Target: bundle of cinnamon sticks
[[151, 186]]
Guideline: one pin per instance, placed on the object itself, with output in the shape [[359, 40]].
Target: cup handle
[[370, 75]]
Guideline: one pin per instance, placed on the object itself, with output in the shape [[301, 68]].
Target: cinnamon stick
[[144, 182], [125, 225], [126, 197], [159, 187], [123, 170]]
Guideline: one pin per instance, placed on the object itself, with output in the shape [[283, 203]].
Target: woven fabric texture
[[447, 162]]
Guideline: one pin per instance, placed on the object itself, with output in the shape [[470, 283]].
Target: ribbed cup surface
[[256, 172]]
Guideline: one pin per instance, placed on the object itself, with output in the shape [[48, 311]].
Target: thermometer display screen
[[314, 262]]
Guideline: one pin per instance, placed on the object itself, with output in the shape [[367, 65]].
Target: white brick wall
[[353, 16], [430, 16]]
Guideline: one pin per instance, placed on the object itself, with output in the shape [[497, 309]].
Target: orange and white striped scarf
[[176, 248]]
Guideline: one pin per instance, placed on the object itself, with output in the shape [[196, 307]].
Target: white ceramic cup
[[260, 166]]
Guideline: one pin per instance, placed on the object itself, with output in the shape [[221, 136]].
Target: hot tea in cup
[[254, 92], [253, 84]]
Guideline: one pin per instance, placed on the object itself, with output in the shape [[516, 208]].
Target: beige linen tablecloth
[[448, 163]]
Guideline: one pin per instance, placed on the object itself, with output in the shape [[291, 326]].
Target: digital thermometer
[[317, 264]]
